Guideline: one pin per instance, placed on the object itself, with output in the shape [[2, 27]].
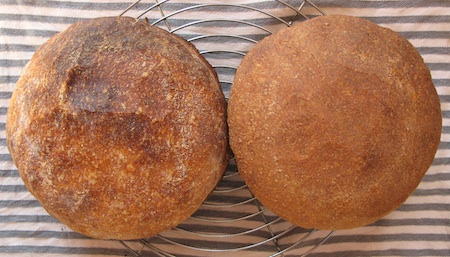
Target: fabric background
[[420, 227]]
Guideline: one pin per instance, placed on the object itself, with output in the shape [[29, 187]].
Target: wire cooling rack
[[231, 220]]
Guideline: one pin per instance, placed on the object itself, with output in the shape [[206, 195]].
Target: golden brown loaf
[[333, 122], [118, 128]]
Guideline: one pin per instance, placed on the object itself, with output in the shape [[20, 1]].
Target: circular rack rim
[[268, 220]]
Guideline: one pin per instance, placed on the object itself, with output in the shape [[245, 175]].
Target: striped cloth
[[420, 227]]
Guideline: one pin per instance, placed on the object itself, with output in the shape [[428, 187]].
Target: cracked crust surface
[[333, 122], [118, 128]]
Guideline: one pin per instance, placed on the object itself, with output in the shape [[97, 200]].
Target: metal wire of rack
[[231, 219]]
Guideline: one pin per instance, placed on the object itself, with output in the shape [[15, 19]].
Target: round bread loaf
[[118, 128], [333, 122]]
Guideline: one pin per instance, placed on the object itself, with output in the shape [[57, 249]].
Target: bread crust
[[333, 121], [118, 128]]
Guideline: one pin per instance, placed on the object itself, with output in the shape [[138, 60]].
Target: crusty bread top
[[118, 128], [333, 121]]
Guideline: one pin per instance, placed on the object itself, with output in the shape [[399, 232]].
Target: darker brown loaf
[[333, 122], [118, 128]]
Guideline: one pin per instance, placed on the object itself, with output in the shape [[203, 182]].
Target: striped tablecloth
[[420, 227]]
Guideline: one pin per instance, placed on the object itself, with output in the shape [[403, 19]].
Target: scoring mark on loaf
[[82, 90]]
